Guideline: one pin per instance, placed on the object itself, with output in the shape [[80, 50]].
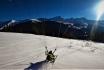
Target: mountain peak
[[57, 18], [34, 20], [12, 21]]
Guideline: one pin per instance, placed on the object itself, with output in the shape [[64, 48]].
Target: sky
[[29, 9]]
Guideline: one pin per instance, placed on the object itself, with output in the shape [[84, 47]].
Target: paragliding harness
[[50, 56]]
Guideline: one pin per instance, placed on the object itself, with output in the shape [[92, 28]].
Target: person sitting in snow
[[50, 55]]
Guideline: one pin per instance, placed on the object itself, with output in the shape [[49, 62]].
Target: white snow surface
[[27, 52]]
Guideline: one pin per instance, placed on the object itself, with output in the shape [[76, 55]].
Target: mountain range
[[76, 28]]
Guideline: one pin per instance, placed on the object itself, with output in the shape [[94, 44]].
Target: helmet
[[50, 52]]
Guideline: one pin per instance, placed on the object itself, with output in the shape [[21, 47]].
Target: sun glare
[[100, 10]]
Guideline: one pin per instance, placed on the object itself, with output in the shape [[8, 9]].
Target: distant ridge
[[76, 28]]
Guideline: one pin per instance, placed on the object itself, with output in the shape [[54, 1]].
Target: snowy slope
[[26, 51]]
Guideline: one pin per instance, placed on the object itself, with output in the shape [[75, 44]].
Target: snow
[[27, 51], [9, 24], [35, 20]]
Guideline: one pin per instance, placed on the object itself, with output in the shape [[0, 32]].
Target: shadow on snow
[[36, 66]]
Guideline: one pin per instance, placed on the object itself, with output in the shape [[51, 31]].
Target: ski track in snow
[[27, 52]]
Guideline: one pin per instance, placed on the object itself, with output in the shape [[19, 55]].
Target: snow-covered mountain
[[57, 18], [76, 28], [7, 24], [13, 22], [27, 52], [49, 27]]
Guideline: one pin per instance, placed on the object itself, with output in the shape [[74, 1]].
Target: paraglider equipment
[[50, 55]]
